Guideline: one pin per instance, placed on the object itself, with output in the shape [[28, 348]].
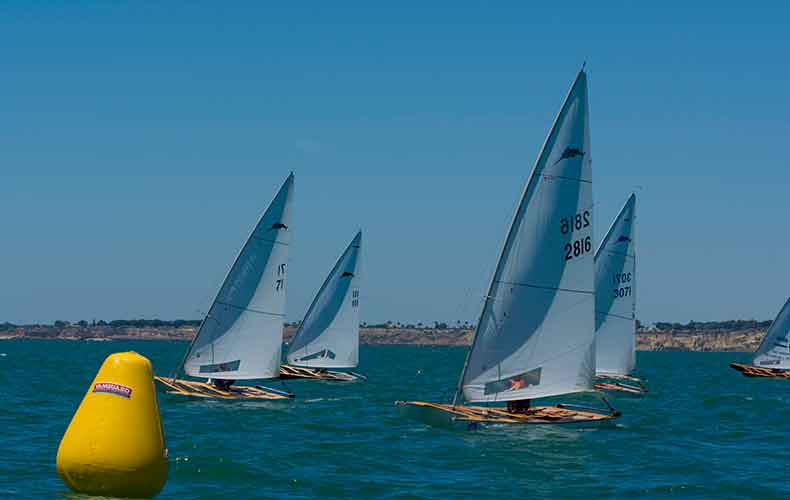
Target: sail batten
[[328, 336], [534, 337], [241, 336], [615, 303]]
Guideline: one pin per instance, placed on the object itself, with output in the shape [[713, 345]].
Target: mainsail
[[774, 351], [535, 336], [329, 334], [241, 336], [615, 295]]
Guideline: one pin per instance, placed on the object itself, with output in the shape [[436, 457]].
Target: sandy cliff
[[655, 340]]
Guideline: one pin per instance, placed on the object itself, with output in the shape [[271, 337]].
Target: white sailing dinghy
[[535, 336], [328, 337], [615, 306], [772, 358], [241, 336]]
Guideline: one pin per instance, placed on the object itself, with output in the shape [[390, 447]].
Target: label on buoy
[[111, 388]]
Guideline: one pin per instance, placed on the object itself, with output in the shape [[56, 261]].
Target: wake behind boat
[[536, 333], [241, 336], [772, 358], [615, 306], [328, 337]]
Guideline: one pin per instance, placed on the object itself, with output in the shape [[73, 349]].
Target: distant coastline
[[725, 336]]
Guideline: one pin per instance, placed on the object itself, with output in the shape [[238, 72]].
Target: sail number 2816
[[577, 248], [575, 222]]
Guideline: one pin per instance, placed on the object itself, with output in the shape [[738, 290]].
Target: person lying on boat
[[517, 383], [518, 406], [223, 384]]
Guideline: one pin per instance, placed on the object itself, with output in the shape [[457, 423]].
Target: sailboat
[[241, 336], [535, 335], [615, 305], [772, 358], [328, 336]]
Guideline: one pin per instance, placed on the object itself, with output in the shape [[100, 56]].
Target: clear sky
[[139, 143]]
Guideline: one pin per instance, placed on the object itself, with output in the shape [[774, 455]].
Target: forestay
[[774, 351], [536, 332], [329, 334], [615, 295], [241, 336]]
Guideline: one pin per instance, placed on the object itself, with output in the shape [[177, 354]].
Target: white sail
[[615, 295], [241, 336], [774, 351], [329, 334], [535, 337]]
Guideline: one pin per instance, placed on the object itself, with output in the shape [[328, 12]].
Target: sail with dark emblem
[[241, 336], [615, 295], [774, 351], [535, 336], [328, 337]]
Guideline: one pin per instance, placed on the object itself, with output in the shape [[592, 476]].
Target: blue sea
[[704, 431]]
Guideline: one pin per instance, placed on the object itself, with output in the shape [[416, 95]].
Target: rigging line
[[529, 285]]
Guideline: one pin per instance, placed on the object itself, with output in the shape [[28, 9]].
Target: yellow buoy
[[115, 445]]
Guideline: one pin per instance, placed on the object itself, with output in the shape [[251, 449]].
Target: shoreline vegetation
[[712, 336]]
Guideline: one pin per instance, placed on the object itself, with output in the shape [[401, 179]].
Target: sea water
[[703, 431]]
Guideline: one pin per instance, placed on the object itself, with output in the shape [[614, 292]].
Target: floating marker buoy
[[114, 444]]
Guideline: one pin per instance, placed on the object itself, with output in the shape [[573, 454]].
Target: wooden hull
[[445, 415], [756, 371], [622, 384], [191, 388], [292, 372]]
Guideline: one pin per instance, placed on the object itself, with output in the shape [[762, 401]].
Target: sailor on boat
[[222, 383], [518, 406]]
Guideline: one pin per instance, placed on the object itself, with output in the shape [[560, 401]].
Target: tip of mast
[[584, 65]]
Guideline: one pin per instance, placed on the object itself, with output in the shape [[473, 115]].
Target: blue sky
[[139, 143]]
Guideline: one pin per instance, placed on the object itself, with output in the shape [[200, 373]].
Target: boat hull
[[191, 388], [449, 416], [294, 372], [620, 384], [756, 371]]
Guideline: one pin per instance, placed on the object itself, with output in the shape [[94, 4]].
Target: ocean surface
[[703, 431]]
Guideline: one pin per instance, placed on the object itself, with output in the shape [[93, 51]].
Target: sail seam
[[551, 176], [615, 315], [612, 252], [588, 292], [253, 237], [249, 309]]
